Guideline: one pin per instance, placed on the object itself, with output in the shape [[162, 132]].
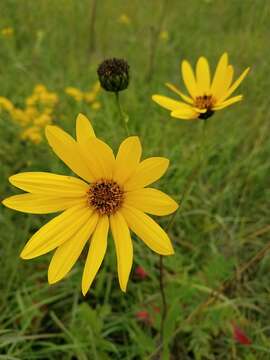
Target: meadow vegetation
[[219, 172]]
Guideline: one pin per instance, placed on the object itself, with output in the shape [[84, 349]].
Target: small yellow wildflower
[[31, 100], [6, 104], [48, 110], [31, 112], [112, 195], [37, 114], [124, 19], [42, 96], [206, 96], [42, 120], [33, 134], [96, 87], [164, 35], [96, 105], [75, 93], [48, 99], [7, 32], [40, 88], [20, 116], [89, 97]]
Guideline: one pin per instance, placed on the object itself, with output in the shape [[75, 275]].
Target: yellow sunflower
[[206, 96], [111, 194]]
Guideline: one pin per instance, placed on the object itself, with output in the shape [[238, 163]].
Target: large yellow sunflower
[[206, 96], [111, 194]]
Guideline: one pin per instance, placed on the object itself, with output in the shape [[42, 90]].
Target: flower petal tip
[[166, 162], [52, 279], [12, 179], [176, 206], [24, 255], [5, 202], [84, 292], [49, 128], [168, 251]]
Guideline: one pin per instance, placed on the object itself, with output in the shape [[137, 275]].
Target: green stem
[[163, 297], [123, 115]]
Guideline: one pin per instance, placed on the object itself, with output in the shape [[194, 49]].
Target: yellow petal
[[229, 76], [96, 253], [219, 80], [235, 84], [84, 129], [56, 232], [189, 79], [147, 172], [67, 254], [66, 148], [228, 102], [127, 159], [148, 230], [186, 114], [227, 83], [49, 184], [203, 76], [177, 91], [123, 246], [99, 157], [168, 103], [41, 204], [151, 201]]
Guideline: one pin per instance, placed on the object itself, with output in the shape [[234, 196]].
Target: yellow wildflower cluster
[[164, 35], [6, 104], [7, 32], [36, 114], [90, 97], [124, 19]]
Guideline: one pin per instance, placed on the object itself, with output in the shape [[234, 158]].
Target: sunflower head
[[205, 102], [111, 194], [106, 196], [206, 94], [114, 74]]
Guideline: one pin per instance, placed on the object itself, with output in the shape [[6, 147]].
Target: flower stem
[[124, 117], [163, 297]]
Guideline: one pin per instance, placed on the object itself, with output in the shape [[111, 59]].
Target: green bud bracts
[[114, 74]]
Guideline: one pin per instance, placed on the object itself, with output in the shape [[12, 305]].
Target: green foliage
[[224, 219]]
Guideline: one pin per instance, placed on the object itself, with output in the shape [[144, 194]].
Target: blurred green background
[[224, 219]]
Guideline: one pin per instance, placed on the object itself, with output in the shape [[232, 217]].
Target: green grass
[[225, 213]]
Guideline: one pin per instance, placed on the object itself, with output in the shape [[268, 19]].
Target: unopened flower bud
[[114, 74]]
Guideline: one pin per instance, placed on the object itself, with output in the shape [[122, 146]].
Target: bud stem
[[124, 117]]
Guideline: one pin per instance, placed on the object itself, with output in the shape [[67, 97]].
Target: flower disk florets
[[105, 196], [114, 74], [205, 102]]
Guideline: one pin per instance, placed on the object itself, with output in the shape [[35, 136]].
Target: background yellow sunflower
[[225, 214]]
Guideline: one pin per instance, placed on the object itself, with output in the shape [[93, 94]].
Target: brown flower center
[[106, 196], [205, 102]]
